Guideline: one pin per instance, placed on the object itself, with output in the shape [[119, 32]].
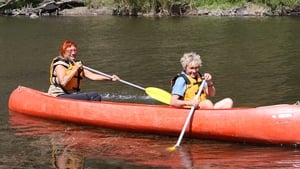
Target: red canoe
[[275, 124]]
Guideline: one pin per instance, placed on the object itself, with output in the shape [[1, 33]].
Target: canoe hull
[[276, 124]]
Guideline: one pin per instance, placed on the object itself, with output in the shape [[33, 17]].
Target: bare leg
[[206, 104], [224, 104]]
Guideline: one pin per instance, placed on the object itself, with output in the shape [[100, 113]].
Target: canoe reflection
[[64, 158], [74, 146]]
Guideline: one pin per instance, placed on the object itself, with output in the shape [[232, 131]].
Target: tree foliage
[[168, 7], [22, 3], [177, 7]]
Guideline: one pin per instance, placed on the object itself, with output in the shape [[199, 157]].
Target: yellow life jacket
[[192, 89], [74, 84]]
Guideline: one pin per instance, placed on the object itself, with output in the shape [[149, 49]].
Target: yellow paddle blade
[[159, 94], [170, 149]]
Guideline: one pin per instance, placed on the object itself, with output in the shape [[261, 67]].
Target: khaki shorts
[[55, 90]]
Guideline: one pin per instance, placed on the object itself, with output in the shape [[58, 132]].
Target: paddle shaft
[[155, 93], [109, 76], [188, 119]]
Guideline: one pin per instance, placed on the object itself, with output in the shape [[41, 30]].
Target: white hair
[[191, 57]]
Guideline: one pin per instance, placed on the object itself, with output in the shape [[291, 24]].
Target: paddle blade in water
[[159, 94]]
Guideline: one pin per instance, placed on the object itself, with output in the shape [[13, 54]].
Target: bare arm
[[62, 76], [177, 102], [210, 90], [93, 76]]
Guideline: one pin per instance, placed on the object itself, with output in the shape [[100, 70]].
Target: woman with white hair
[[187, 85]]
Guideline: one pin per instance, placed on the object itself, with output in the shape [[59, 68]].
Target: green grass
[[174, 6]]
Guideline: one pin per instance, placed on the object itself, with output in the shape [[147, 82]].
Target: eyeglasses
[[194, 67], [71, 50]]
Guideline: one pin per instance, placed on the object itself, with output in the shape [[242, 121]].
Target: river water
[[253, 60]]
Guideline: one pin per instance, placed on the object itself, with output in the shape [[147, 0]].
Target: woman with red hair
[[66, 75]]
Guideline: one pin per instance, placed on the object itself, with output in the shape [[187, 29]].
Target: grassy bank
[[178, 7], [174, 7]]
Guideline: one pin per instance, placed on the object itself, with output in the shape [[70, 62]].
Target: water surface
[[253, 60]]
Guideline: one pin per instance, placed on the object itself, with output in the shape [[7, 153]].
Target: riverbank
[[249, 9], [59, 8]]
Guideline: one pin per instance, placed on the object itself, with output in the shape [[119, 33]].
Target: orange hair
[[65, 45]]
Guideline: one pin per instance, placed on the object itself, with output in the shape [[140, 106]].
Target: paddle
[[188, 119], [156, 93]]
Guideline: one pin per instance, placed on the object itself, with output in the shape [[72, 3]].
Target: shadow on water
[[75, 146]]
